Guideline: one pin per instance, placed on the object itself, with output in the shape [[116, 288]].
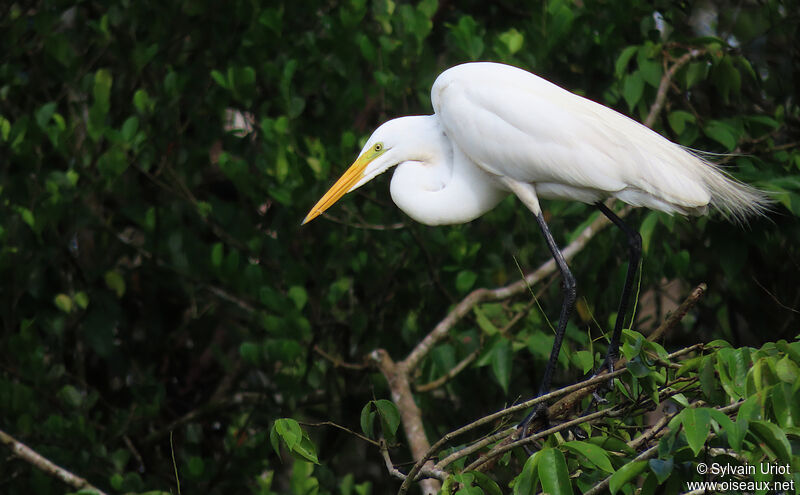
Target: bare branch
[[661, 95], [397, 377], [458, 368], [500, 450], [30, 456], [393, 471], [677, 315]]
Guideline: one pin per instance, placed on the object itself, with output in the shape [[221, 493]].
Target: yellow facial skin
[[345, 182]]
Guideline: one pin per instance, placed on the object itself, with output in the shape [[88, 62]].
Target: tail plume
[[735, 200]]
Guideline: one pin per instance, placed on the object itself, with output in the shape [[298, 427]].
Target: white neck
[[439, 185]]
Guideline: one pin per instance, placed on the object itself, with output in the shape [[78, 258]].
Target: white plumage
[[499, 129]]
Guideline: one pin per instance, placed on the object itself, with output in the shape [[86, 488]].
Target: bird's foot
[[605, 387], [539, 412], [598, 395]]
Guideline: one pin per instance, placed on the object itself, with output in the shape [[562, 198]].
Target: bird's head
[[391, 143]]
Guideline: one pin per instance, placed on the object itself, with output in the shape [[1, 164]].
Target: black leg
[[634, 255], [568, 290]]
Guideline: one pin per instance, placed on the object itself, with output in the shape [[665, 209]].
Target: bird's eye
[[379, 147]]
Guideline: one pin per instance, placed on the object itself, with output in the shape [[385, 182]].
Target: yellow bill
[[340, 188]]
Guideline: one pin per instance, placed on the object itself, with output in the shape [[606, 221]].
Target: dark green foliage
[[157, 158]]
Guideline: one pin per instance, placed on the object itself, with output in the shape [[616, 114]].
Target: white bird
[[498, 129]]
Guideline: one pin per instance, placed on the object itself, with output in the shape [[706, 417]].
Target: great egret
[[498, 129]]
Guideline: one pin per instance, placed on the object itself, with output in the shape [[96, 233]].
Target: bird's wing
[[515, 124]]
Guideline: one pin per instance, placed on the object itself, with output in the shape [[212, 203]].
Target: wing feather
[[518, 125]]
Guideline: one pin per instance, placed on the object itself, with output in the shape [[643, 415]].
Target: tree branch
[[30, 456], [647, 454], [663, 87]]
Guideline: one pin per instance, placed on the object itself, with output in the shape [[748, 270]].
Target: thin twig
[[338, 363], [451, 373], [364, 225], [343, 428], [500, 450]]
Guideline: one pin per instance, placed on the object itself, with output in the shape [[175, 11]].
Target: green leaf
[[297, 442], [726, 424], [466, 36], [389, 414], [584, 360], [63, 302], [469, 490], [217, 253], [299, 296], [289, 431], [633, 89], [553, 472], [501, 361], [662, 469], [526, 482], [696, 425], [102, 88], [772, 440], [787, 371], [99, 110], [465, 280], [484, 323], [220, 79], [722, 133], [696, 72], [647, 229], [142, 101], [708, 380], [44, 114], [781, 397], [112, 163], [512, 40], [70, 396], [306, 450], [367, 419], [488, 485], [27, 216], [651, 71], [81, 299], [5, 128], [115, 282], [678, 119], [597, 455], [196, 466], [637, 368], [250, 352], [727, 78], [129, 128], [621, 65], [625, 474]]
